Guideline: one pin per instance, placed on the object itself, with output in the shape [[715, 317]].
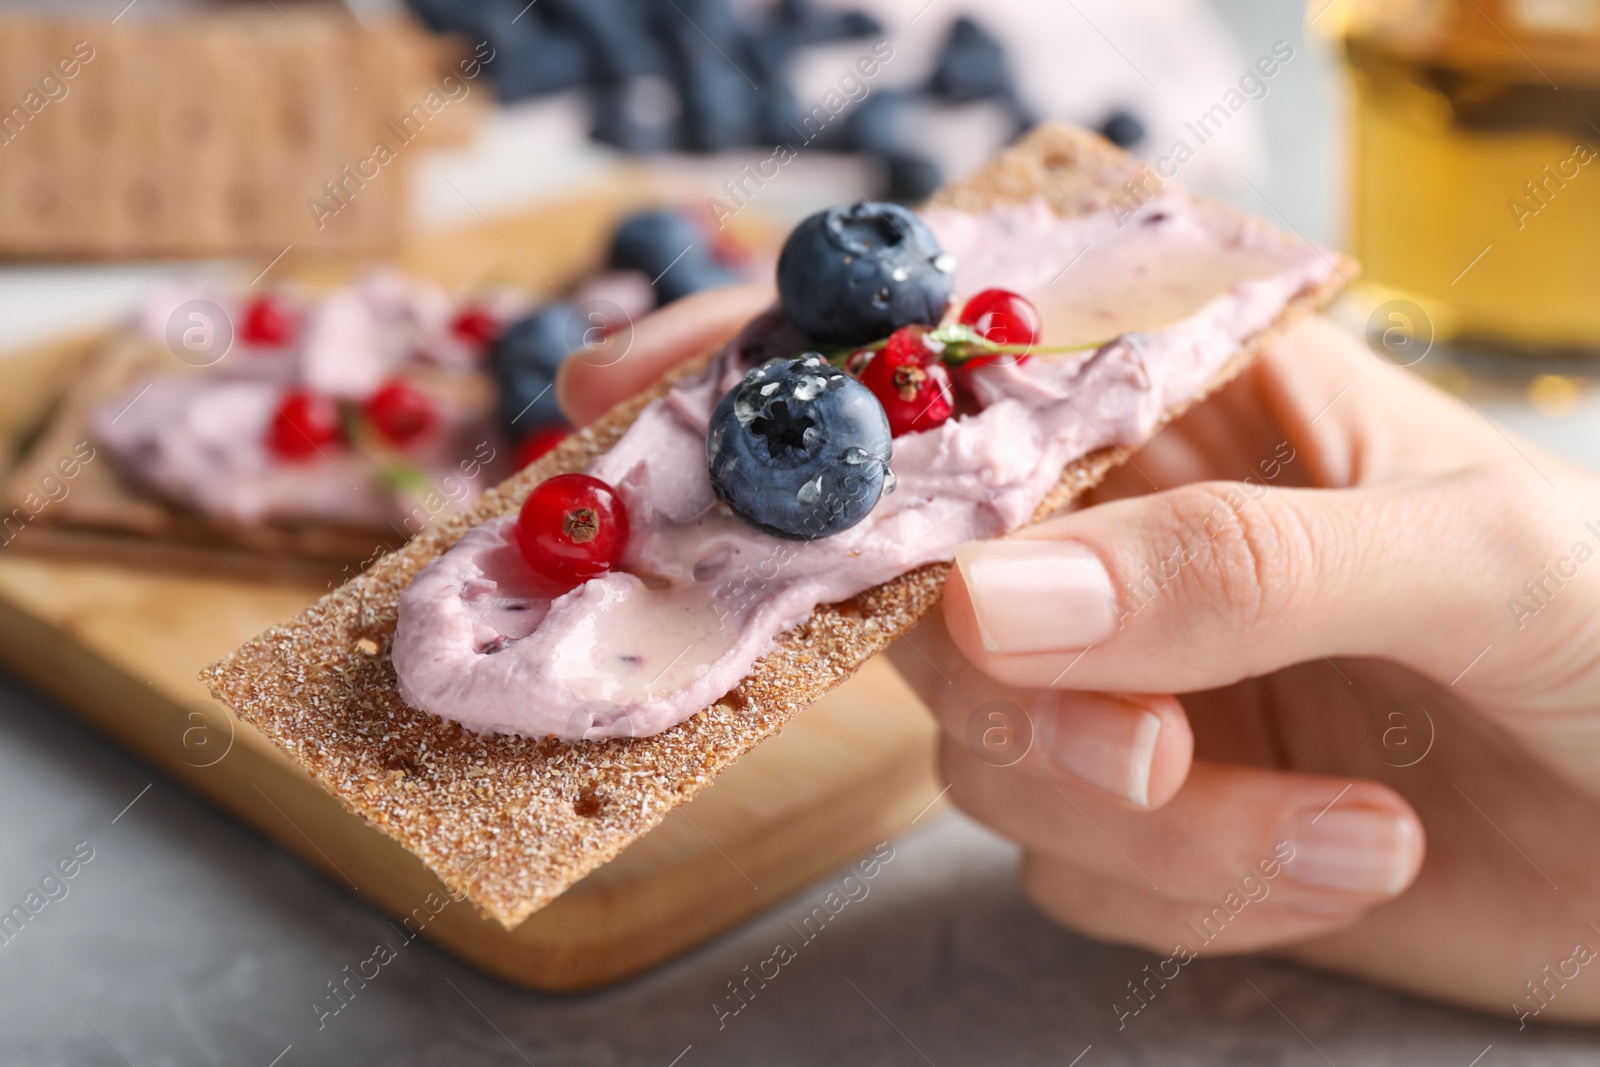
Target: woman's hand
[[1370, 688], [635, 357], [1381, 763]]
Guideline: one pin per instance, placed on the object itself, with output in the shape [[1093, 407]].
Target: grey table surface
[[187, 939]]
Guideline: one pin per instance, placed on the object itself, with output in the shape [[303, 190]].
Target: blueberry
[[524, 361], [799, 449], [808, 24], [617, 44], [537, 63], [649, 241], [860, 24], [531, 55], [708, 20], [692, 274], [912, 178], [669, 248], [971, 66], [877, 125], [855, 274], [1123, 129], [881, 126], [878, 128], [712, 70], [777, 113], [721, 108]]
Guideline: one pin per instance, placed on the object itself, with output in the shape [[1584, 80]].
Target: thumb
[[636, 354], [1204, 585]]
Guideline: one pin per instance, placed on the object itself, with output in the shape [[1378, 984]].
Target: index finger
[[660, 341]]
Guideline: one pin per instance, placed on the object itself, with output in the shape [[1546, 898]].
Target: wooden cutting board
[[120, 647]]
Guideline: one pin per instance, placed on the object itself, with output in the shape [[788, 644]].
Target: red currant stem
[[962, 344], [960, 352]]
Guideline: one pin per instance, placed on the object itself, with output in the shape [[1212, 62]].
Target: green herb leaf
[[403, 477]]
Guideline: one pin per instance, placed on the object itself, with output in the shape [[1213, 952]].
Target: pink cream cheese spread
[[202, 443], [199, 437], [701, 596]]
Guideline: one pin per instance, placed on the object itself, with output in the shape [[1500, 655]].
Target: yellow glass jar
[[1474, 154]]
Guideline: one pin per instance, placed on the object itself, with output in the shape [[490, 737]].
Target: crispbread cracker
[[105, 516], [511, 822], [213, 134]]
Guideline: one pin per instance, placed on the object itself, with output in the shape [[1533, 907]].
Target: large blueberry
[[799, 449], [524, 360], [855, 274]]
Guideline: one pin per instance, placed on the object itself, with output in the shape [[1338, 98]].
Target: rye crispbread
[[511, 822], [214, 134], [103, 515]]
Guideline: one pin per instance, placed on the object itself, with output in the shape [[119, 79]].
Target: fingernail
[[1353, 850], [1038, 596], [1106, 742]]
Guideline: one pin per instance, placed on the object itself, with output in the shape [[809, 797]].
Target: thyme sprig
[[960, 344]]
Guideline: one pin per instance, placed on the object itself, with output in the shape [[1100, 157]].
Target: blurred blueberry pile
[[730, 76], [694, 76]]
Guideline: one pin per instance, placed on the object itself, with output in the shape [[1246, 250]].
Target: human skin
[[1372, 558]]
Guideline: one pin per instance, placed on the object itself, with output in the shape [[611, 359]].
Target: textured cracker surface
[[512, 822]]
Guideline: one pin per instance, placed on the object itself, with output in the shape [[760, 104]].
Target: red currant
[[400, 412], [475, 326], [305, 422], [910, 382], [269, 321], [537, 443], [1004, 317], [572, 527]]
